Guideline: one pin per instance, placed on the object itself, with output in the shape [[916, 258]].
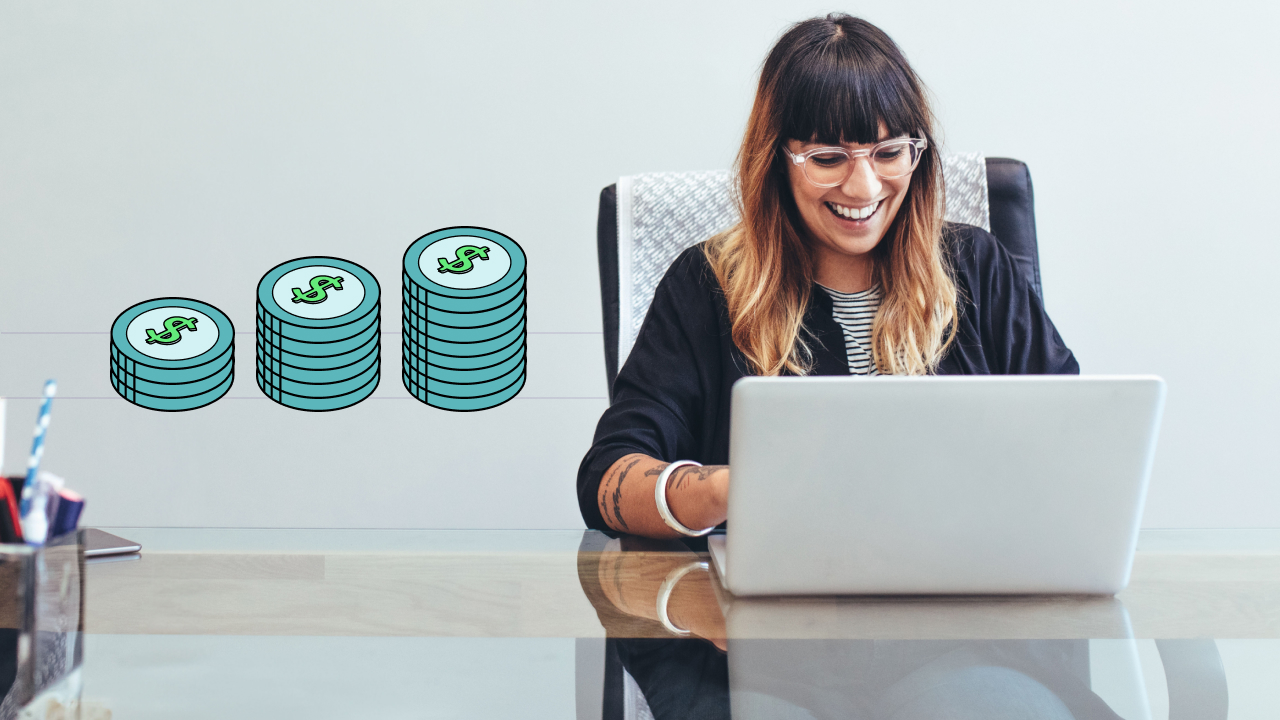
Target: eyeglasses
[[831, 166]]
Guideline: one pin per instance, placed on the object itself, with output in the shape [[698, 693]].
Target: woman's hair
[[834, 80]]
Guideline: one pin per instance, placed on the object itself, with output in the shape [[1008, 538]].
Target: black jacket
[[671, 398]]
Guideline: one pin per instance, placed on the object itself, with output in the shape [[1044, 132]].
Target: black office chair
[[664, 213]]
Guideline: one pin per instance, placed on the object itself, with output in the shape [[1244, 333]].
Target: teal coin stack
[[172, 354], [318, 333], [464, 319]]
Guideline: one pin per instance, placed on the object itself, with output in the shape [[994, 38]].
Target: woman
[[841, 265]]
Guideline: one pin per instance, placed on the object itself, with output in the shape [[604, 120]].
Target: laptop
[[937, 485]]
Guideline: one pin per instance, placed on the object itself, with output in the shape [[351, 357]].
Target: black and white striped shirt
[[854, 313]]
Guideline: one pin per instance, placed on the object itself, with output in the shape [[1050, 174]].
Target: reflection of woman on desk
[[841, 265], [670, 638], [664, 624]]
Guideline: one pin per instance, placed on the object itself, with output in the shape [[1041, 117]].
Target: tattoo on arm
[[604, 493], [617, 495], [696, 473]]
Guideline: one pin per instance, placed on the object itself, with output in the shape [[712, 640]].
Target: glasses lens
[[827, 168], [895, 159]]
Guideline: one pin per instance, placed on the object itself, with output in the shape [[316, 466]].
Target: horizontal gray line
[[531, 332], [543, 397], [250, 332], [246, 397]]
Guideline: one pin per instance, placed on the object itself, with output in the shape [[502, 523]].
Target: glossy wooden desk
[[327, 623]]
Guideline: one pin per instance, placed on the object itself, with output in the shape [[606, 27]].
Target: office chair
[[645, 221]]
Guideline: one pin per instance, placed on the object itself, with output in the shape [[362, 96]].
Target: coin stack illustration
[[172, 354], [318, 324], [464, 319]]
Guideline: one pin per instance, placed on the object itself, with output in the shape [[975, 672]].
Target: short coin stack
[[318, 324], [464, 319], [172, 354]]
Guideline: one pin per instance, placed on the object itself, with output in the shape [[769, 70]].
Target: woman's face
[[826, 211]]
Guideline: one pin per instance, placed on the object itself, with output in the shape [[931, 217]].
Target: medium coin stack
[[172, 354], [464, 319], [318, 343]]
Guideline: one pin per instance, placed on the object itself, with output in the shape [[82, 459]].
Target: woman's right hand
[[697, 495]]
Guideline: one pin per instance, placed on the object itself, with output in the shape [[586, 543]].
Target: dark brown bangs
[[841, 78]]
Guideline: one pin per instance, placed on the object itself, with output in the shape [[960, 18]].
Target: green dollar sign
[[173, 328], [462, 263], [317, 293]]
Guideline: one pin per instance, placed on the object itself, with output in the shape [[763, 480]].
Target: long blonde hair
[[833, 80]]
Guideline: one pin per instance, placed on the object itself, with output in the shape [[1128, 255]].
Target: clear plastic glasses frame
[[832, 166]]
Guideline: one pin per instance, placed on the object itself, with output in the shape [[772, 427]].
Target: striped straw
[[37, 446]]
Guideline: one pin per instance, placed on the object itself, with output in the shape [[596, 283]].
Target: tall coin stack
[[318, 343], [172, 354], [464, 319]]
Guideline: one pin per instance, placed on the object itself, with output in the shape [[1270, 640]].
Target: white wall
[[152, 148]]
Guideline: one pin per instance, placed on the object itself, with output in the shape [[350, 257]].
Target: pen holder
[[41, 628]]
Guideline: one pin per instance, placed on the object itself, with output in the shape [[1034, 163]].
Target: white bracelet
[[664, 594], [660, 497]]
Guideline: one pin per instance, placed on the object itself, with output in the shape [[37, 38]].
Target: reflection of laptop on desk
[[889, 485]]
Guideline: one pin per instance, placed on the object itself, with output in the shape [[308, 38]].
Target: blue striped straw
[[37, 446]]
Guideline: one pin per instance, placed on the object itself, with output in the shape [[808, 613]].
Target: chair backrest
[[645, 221]]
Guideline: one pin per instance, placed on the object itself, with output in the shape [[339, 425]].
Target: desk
[[562, 624]]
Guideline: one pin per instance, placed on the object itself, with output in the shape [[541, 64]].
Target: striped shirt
[[854, 313]]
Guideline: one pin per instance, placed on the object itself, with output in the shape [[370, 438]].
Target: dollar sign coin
[[318, 349], [317, 294], [176, 368], [463, 341], [462, 259], [173, 328]]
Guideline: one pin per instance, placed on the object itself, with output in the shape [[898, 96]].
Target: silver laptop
[[955, 485]]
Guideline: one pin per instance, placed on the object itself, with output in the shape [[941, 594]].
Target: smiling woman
[[840, 265], [829, 90]]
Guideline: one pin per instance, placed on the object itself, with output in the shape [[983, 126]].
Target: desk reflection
[[812, 659]]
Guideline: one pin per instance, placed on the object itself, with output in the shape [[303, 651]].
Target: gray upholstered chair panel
[[661, 214]]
